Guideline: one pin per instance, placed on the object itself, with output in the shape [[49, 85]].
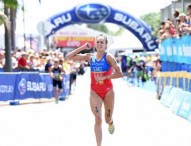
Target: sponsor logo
[[32, 86], [6, 89], [93, 13], [22, 86], [129, 22], [59, 21]]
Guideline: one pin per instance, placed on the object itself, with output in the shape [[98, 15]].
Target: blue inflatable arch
[[99, 13]]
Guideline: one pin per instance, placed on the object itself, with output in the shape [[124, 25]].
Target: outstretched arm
[[79, 57]]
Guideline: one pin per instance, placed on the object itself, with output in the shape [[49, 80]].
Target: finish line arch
[[99, 13]]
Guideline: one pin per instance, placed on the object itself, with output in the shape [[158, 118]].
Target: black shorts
[[59, 83]]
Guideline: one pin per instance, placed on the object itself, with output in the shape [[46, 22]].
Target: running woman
[[56, 72], [102, 65]]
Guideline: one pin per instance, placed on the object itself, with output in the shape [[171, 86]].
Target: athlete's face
[[101, 44], [56, 63]]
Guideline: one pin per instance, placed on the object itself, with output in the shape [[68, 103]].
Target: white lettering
[[187, 51], [97, 68], [29, 86], [174, 50], [134, 25], [140, 30], [147, 37], [6, 89], [35, 86], [180, 52], [169, 51], [151, 45], [127, 22], [73, 43], [136, 28], [118, 17], [62, 19]]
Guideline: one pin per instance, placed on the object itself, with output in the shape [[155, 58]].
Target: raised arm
[[79, 57]]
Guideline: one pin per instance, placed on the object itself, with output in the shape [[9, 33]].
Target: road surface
[[140, 120]]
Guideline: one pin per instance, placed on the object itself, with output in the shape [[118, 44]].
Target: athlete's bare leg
[[109, 106], [56, 93], [96, 106]]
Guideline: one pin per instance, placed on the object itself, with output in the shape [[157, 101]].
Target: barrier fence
[[174, 82], [23, 85], [177, 50], [175, 92]]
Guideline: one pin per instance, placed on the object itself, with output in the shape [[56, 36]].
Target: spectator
[[22, 62], [176, 14], [30, 63], [48, 64], [14, 60], [66, 66], [188, 16], [183, 26], [157, 68], [168, 31], [2, 59]]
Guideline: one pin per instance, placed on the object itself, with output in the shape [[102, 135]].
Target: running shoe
[[56, 101], [111, 128]]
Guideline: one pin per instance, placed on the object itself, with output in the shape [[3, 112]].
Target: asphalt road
[[140, 120]]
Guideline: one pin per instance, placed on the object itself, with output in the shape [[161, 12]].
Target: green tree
[[153, 20], [10, 10]]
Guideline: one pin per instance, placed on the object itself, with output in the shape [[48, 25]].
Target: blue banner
[[176, 50], [66, 86], [7, 86], [186, 47], [28, 86], [48, 89], [20, 86], [169, 49], [180, 57], [162, 49]]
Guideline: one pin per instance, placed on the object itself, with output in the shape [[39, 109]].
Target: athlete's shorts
[[57, 83], [103, 93], [140, 73]]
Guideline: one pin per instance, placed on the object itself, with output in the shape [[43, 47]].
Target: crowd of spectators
[[142, 67], [180, 25], [35, 61]]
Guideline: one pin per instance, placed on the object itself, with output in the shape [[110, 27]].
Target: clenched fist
[[87, 46]]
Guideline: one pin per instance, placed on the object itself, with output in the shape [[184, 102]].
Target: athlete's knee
[[98, 119]]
